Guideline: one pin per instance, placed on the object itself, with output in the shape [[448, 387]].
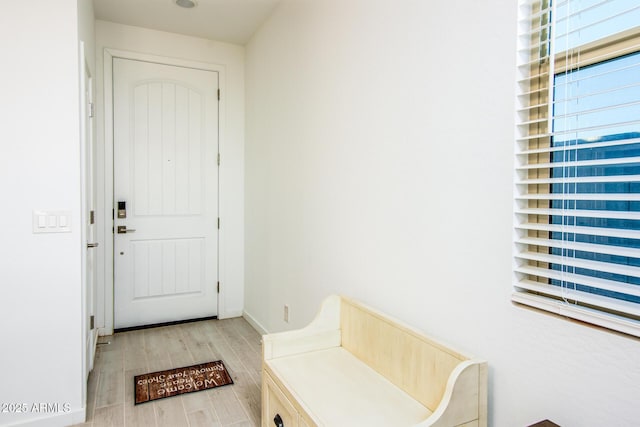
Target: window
[[577, 199]]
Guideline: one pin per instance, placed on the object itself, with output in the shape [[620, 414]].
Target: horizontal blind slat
[[535, 79], [595, 110], [602, 197], [612, 125], [588, 231], [533, 122], [584, 146], [584, 247], [584, 297], [528, 108], [569, 261], [582, 163], [581, 179], [533, 136], [595, 282], [630, 215]]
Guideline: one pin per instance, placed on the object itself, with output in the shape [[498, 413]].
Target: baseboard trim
[[253, 322], [77, 416], [229, 315]]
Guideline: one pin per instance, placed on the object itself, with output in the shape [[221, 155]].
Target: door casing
[[105, 317]]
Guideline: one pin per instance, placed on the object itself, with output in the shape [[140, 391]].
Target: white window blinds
[[577, 197]]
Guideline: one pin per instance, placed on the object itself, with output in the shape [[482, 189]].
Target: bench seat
[[341, 390], [354, 366]]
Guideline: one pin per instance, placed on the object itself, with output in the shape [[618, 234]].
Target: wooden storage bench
[[353, 366]]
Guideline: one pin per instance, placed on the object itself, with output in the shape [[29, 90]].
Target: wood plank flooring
[[110, 386]]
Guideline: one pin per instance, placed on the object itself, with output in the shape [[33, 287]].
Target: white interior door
[[166, 181], [90, 191]]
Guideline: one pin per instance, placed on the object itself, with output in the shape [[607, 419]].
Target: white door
[[90, 191], [165, 193]]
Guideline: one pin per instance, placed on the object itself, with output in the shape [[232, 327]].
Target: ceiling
[[232, 21]]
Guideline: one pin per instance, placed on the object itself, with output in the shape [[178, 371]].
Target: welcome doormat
[[158, 385]]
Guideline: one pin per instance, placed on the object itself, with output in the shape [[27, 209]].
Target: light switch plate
[[51, 221]]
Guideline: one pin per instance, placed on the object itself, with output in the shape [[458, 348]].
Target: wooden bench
[[353, 366]]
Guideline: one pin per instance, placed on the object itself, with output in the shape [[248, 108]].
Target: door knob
[[122, 229], [92, 245]]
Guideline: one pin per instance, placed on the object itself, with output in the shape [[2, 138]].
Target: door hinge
[[92, 322], [218, 94], [218, 287], [218, 159], [218, 223], [92, 217], [91, 110]]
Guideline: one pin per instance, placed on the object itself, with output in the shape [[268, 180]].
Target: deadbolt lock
[[122, 209]]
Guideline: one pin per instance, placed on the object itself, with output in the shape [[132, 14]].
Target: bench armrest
[[323, 332], [465, 398]]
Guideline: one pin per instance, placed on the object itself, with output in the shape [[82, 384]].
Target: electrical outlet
[[286, 313]]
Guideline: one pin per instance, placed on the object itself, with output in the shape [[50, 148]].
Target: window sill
[[584, 314]]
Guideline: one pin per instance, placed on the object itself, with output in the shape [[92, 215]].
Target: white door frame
[[105, 307]]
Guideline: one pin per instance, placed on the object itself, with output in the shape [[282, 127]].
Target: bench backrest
[[410, 360]]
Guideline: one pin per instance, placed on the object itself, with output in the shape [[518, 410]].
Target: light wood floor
[[110, 388]]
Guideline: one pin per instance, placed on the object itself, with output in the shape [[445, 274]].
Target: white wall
[[40, 300], [140, 40], [379, 156]]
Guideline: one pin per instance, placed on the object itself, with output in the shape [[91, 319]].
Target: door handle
[[122, 229], [92, 245], [277, 420]]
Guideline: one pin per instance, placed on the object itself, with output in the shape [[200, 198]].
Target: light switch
[[51, 221]]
